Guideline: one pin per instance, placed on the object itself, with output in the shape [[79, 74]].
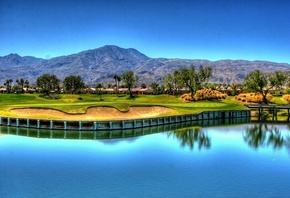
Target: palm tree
[[117, 81], [26, 84], [99, 89], [8, 85], [21, 82]]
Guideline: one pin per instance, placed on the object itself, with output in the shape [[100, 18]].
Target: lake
[[241, 160]]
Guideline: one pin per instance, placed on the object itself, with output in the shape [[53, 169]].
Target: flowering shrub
[[252, 97], [286, 97], [204, 94]]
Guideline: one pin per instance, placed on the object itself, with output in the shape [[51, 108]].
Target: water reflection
[[188, 137], [260, 135], [128, 133]]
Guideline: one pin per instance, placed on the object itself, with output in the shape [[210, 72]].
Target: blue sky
[[196, 29]]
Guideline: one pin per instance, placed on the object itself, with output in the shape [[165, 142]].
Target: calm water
[[247, 160]]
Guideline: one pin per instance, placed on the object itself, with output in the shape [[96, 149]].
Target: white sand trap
[[93, 113]]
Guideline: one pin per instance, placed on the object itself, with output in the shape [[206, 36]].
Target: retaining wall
[[120, 124], [111, 134]]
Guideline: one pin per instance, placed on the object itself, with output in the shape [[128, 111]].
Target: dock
[[271, 109]]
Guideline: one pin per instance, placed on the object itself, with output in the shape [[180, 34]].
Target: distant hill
[[100, 65]]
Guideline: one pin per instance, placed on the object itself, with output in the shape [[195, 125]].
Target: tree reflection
[[191, 136], [262, 135]]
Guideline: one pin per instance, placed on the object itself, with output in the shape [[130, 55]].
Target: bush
[[204, 94], [252, 97], [286, 97], [51, 97]]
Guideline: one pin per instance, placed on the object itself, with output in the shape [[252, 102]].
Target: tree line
[[189, 79]]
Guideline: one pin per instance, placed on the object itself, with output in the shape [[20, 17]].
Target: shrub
[[252, 97], [286, 97], [204, 94], [50, 97]]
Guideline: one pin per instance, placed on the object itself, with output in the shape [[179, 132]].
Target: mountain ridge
[[99, 66]]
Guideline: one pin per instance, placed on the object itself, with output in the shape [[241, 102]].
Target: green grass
[[71, 103], [278, 100]]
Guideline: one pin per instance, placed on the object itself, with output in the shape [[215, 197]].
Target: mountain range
[[99, 66]]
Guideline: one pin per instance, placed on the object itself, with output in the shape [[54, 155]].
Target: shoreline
[[96, 125]]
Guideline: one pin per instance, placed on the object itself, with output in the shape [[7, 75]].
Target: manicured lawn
[[71, 103]]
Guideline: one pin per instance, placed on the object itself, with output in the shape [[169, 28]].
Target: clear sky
[[193, 29]]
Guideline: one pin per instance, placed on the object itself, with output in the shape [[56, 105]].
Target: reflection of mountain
[[188, 137], [261, 135]]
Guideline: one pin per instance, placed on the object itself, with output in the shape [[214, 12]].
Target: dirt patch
[[93, 113]]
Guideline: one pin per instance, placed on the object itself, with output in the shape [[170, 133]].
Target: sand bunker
[[93, 113]]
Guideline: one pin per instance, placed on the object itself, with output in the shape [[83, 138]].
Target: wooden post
[[80, 125], [64, 125], [95, 126], [123, 124], [51, 124]]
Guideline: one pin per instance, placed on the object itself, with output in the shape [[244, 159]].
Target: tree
[[8, 85], [16, 89], [26, 84], [47, 83], [117, 80], [130, 80], [143, 85], [192, 79], [73, 84], [173, 82], [99, 90], [262, 83], [155, 87], [21, 82], [288, 80], [281, 79]]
